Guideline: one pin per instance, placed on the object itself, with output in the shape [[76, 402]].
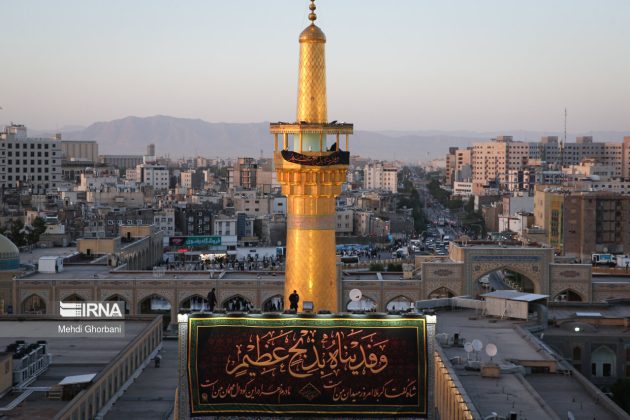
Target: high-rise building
[[380, 176], [311, 175], [492, 161], [28, 162]]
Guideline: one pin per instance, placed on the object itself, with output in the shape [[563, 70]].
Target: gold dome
[[312, 34]]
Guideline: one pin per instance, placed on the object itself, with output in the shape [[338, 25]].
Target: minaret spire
[[312, 16], [311, 103], [311, 175]]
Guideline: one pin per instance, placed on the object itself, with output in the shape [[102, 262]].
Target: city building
[[548, 214], [224, 225], [154, 175], [243, 173], [596, 222], [194, 219], [517, 166], [492, 161], [345, 219], [380, 176], [121, 161], [164, 220], [86, 150], [28, 162]]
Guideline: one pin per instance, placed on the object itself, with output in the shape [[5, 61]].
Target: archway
[[73, 298], [603, 361], [156, 305], [504, 279], [237, 303], [273, 304], [400, 303], [568, 295], [119, 298], [34, 304], [194, 303], [441, 292], [364, 304]]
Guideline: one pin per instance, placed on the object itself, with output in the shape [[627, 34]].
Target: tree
[[394, 267], [37, 229], [16, 233], [470, 206], [376, 267]]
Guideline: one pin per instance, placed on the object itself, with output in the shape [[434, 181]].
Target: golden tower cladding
[[311, 174]]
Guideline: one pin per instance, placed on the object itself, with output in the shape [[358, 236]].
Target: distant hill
[[178, 137]]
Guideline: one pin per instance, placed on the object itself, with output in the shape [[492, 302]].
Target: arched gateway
[[533, 269]]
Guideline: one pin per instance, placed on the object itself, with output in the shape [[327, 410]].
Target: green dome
[[9, 254]]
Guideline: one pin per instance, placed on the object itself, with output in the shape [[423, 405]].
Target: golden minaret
[[311, 174]]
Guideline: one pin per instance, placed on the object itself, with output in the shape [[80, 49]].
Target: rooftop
[[71, 357], [89, 271], [533, 396], [515, 295], [31, 257]]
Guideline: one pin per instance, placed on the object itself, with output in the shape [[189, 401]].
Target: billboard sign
[[185, 241], [324, 365]]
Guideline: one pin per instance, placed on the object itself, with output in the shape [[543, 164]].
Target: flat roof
[[533, 396], [568, 311], [610, 279], [515, 295], [71, 356], [33, 256]]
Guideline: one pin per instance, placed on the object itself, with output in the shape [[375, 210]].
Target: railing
[[617, 271], [106, 384], [451, 400], [385, 262]]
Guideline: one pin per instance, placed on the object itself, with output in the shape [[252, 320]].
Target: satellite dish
[[491, 349], [477, 345], [355, 295], [468, 347]]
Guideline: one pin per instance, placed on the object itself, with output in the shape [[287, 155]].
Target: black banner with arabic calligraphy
[[351, 365]]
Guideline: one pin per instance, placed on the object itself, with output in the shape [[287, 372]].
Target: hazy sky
[[392, 64]]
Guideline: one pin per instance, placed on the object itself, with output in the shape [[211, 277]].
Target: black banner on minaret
[[291, 365]]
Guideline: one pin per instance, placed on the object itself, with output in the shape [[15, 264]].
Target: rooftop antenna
[[477, 345], [491, 350]]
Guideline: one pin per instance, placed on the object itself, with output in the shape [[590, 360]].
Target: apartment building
[[29, 162], [154, 175], [493, 160], [243, 173], [596, 222], [380, 176], [345, 219], [165, 220], [512, 165]]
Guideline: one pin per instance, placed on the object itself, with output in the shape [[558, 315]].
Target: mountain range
[[178, 137]]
